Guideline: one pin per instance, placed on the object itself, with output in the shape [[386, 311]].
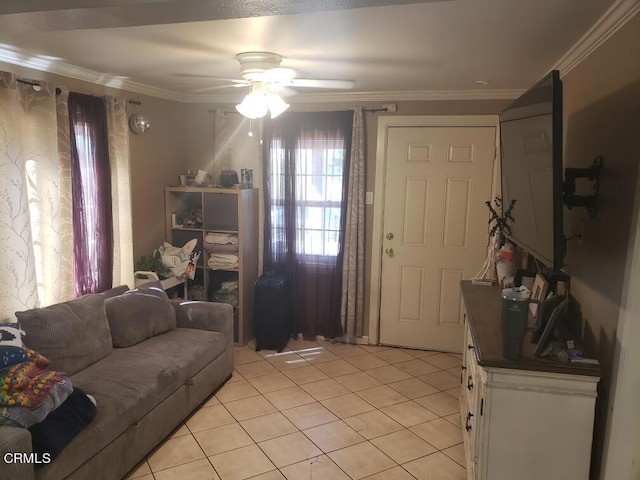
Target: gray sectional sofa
[[148, 361]]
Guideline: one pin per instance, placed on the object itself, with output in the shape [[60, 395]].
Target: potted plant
[[152, 263]]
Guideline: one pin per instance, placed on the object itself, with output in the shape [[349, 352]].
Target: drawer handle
[[462, 373], [470, 347], [469, 383], [467, 425]]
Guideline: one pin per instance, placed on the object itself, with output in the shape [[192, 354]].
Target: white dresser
[[530, 419]]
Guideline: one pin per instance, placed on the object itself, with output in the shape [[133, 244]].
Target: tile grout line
[[387, 382]]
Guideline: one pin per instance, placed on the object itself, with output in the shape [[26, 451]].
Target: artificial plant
[[500, 219], [153, 263]]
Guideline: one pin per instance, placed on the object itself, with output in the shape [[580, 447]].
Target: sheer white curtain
[[352, 311], [35, 205], [123, 262]]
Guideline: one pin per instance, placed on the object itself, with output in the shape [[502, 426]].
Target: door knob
[[389, 251], [389, 236]]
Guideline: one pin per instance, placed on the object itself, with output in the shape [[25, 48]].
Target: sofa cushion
[[132, 381], [72, 334], [138, 315]]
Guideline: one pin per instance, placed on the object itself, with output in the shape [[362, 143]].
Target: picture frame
[[538, 292], [547, 333]]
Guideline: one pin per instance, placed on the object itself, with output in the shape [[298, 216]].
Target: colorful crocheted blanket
[[28, 383]]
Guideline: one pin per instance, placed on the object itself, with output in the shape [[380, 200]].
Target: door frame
[[385, 123]]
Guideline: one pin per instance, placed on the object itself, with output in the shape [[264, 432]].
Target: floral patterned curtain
[[352, 310], [35, 203], [36, 226], [117, 126]]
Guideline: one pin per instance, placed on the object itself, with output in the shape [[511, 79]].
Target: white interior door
[[434, 229]]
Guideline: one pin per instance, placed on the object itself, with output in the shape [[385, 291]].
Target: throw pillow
[[139, 314], [73, 334], [11, 351], [115, 291]]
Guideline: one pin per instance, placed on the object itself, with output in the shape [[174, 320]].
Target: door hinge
[[495, 152], [481, 406]]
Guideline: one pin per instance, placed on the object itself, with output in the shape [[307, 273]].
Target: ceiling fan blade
[[318, 83], [279, 74], [282, 90], [220, 87], [213, 77]]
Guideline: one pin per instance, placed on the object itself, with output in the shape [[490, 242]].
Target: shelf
[[220, 230], [228, 212], [205, 267]]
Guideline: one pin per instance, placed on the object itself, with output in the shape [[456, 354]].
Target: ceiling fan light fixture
[[258, 103], [254, 105], [276, 104]]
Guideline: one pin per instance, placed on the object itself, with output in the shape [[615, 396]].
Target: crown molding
[[362, 97], [607, 25], [57, 67]]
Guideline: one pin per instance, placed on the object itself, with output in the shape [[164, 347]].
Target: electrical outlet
[[368, 199]]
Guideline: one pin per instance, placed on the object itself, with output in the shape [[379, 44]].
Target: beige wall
[[157, 158], [602, 117]]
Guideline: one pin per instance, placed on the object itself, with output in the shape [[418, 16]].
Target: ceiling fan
[[261, 71], [265, 67]]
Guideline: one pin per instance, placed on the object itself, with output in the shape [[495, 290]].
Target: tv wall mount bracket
[[569, 197]]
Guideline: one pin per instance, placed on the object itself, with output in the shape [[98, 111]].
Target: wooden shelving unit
[[203, 210]]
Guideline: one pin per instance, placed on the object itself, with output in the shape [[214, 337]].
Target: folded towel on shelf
[[222, 238], [220, 248], [222, 261]]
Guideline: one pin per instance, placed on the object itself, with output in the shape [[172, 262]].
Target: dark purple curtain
[[91, 192], [306, 164]]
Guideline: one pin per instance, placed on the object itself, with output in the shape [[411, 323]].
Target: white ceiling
[[395, 50]]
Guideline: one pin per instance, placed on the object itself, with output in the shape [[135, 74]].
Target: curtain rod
[[29, 82], [59, 91]]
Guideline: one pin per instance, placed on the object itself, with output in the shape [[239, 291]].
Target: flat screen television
[[531, 166]]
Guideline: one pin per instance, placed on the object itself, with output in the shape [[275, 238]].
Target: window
[[306, 165], [318, 181], [89, 191], [91, 194]]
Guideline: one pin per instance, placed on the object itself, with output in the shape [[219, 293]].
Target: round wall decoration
[[138, 123]]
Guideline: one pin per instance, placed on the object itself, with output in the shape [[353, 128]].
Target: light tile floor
[[322, 410]]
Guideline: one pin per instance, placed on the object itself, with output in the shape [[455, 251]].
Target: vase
[[504, 268], [505, 264]]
